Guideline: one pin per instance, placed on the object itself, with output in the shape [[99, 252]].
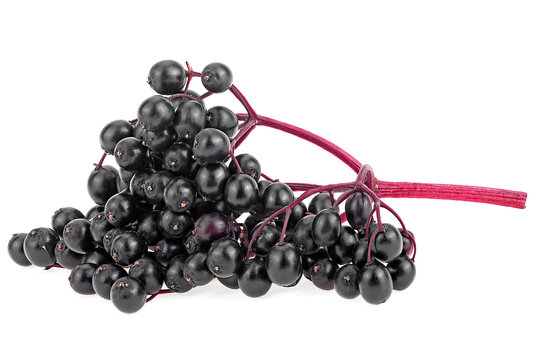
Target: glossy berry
[[241, 193], [102, 184], [302, 237], [211, 180], [113, 133], [131, 154], [167, 77], [375, 283], [323, 274], [192, 244], [309, 260], [180, 194], [387, 245], [224, 257], [156, 113], [173, 275], [99, 226], [125, 177], [223, 119], [104, 277], [284, 265], [297, 213], [267, 238], [77, 236], [295, 283], [128, 294], [211, 227], [320, 202], [147, 228], [249, 166], [150, 274], [251, 222], [326, 227], [165, 250], [195, 270], [15, 248], [408, 248], [216, 77], [263, 185], [137, 184], [359, 253], [159, 141], [93, 211], [138, 130], [109, 237], [81, 279], [155, 185], [97, 256], [231, 282], [127, 248], [203, 206], [276, 196], [211, 145], [358, 207], [253, 278], [178, 159], [346, 281], [174, 225], [341, 251], [189, 120], [66, 257], [402, 271], [120, 209], [62, 216]]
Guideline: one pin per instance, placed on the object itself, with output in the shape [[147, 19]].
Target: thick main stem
[[515, 199]]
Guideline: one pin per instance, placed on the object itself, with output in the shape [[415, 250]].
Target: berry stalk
[[160, 292], [288, 208], [329, 146], [100, 163]]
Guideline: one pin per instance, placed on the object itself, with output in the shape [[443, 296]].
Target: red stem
[[236, 162], [477, 194], [308, 136], [100, 163], [204, 96], [267, 177], [251, 112], [181, 95], [284, 228], [55, 265], [305, 195], [160, 292]]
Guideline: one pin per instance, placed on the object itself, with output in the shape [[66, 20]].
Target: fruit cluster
[[183, 209]]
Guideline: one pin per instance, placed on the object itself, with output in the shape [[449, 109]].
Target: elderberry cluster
[[182, 210]]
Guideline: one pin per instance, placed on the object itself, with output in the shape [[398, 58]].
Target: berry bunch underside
[[185, 208]]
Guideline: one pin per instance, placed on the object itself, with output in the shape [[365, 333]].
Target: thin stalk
[[100, 163], [309, 136], [160, 292], [251, 112], [305, 195]]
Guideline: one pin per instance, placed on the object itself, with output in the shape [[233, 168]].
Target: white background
[[421, 90]]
